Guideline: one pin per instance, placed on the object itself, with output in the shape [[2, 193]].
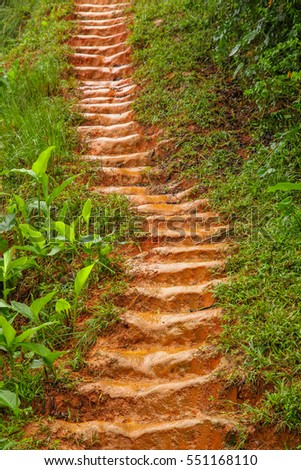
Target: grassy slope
[[236, 149], [37, 98], [34, 113], [32, 79]]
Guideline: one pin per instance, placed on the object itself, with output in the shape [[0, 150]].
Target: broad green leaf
[[40, 165], [37, 363], [238, 69], [8, 331], [33, 235], [23, 309], [37, 348], [31, 332], [49, 357], [6, 292], [250, 36], [38, 205], [81, 278], [4, 304], [21, 204], [38, 304], [7, 223], [285, 187], [9, 400], [55, 250], [87, 240], [106, 250], [36, 250], [62, 306], [86, 212], [63, 212], [235, 49], [52, 357], [7, 258], [66, 231], [57, 191], [26, 172], [30, 263], [3, 344], [18, 263]]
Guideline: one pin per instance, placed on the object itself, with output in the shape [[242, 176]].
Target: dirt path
[[155, 382]]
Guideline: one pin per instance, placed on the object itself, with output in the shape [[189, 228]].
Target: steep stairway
[[154, 382]]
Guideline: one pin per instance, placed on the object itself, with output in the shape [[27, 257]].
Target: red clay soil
[[156, 381]]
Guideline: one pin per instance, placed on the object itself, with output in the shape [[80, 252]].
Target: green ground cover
[[56, 237]]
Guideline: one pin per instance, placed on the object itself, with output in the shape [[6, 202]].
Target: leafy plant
[[9, 400], [30, 312], [11, 270], [41, 178], [10, 341], [47, 357], [79, 283]]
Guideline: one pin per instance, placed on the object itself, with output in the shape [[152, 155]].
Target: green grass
[[34, 113], [234, 140], [37, 102]]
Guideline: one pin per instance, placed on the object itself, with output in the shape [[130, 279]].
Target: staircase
[[156, 381]]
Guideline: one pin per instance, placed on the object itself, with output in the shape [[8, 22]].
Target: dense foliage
[[54, 240]]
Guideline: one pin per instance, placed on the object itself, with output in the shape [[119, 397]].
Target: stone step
[[172, 209], [117, 85], [104, 31], [188, 237], [123, 176], [168, 254], [96, 60], [166, 329], [125, 190], [171, 299], [121, 161], [98, 40], [201, 432], [103, 73], [107, 108], [103, 119], [141, 200], [118, 59], [182, 223], [120, 130], [175, 274], [104, 51], [145, 401], [96, 19], [116, 146], [153, 362], [101, 5], [108, 93], [107, 17], [106, 100]]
